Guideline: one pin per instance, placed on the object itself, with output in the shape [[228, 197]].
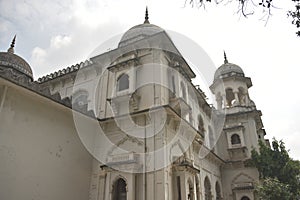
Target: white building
[[126, 124]]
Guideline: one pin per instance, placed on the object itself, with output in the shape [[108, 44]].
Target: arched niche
[[119, 191]]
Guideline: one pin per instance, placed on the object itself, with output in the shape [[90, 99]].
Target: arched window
[[207, 189], [173, 85], [235, 139], [245, 198], [119, 190], [229, 97], [200, 123], [123, 82], [211, 137], [183, 91], [218, 191]]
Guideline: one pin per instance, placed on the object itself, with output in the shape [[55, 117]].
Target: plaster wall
[[41, 154]]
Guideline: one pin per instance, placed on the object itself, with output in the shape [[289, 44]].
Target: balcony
[[123, 159], [186, 163], [179, 105]]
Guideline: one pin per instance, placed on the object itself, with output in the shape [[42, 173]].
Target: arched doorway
[[245, 198], [197, 188], [207, 189], [191, 190], [119, 190], [218, 191]]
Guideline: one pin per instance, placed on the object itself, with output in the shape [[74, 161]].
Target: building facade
[[127, 124]]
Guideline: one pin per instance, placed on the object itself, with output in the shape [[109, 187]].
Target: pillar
[[236, 97]]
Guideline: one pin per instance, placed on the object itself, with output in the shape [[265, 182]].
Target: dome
[[228, 69], [139, 32], [15, 62], [11, 60]]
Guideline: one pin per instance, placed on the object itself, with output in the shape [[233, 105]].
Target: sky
[[54, 34]]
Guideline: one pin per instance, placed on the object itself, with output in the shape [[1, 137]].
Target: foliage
[[272, 189], [295, 15], [277, 170], [248, 7]]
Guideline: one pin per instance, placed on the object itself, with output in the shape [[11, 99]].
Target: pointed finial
[[146, 16], [225, 58], [12, 45]]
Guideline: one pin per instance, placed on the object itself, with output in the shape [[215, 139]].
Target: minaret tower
[[242, 129], [243, 125]]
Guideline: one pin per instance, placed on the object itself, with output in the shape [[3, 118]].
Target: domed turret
[[10, 60], [230, 86], [139, 32], [228, 69]]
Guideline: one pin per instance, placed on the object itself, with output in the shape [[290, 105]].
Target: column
[[224, 101], [236, 97], [247, 101]]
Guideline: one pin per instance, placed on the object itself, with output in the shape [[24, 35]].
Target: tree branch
[[266, 5]]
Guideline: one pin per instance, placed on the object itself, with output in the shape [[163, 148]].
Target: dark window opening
[[235, 139], [229, 97], [178, 188], [123, 82]]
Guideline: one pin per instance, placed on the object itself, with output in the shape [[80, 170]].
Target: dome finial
[[146, 16], [12, 45], [225, 58]]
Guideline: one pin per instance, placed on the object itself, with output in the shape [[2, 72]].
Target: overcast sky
[[55, 34]]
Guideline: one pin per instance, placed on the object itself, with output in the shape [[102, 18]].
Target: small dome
[[11, 60], [15, 62], [139, 32], [228, 69]]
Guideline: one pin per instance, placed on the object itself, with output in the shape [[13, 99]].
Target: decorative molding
[[64, 71], [34, 86]]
